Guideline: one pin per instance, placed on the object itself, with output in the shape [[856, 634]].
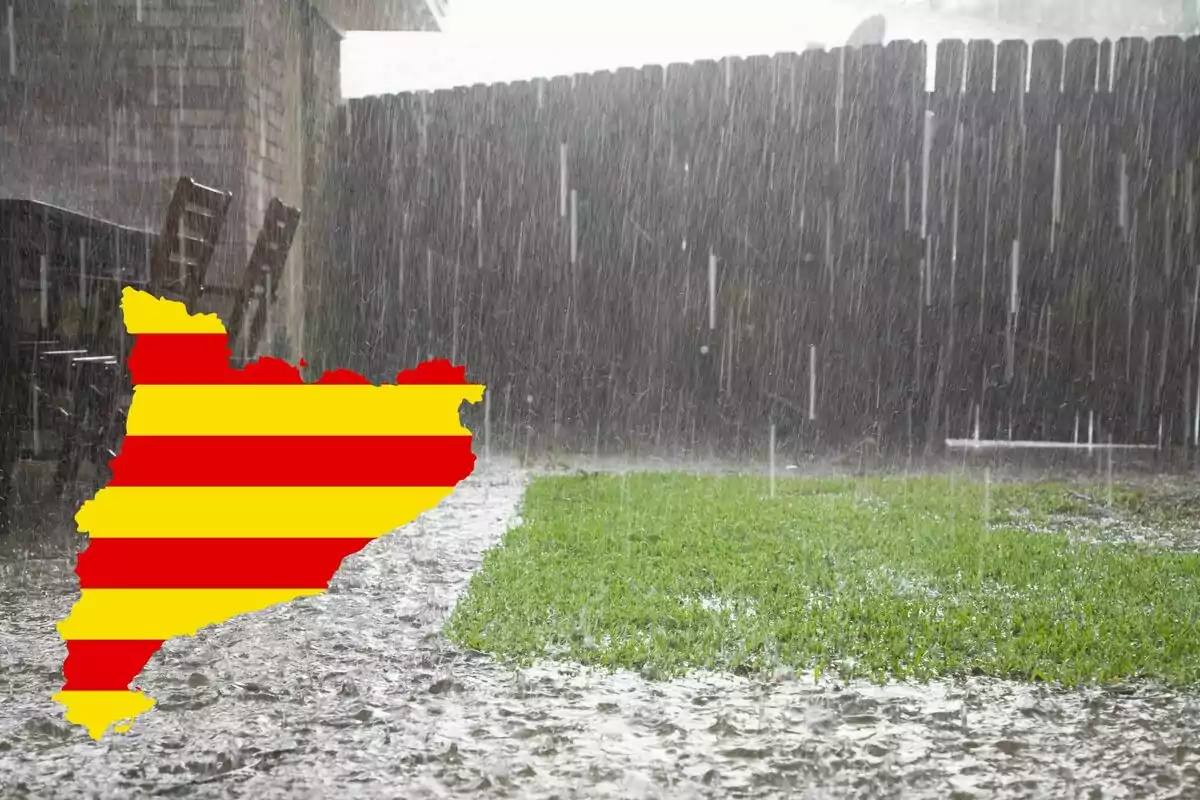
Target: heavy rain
[[843, 388]]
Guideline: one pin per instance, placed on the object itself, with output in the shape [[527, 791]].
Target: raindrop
[[1056, 196], [260, 188], [1013, 309], [479, 232], [428, 282], [12, 43], [423, 141], [987, 494], [454, 320], [487, 427], [574, 226], [44, 289], [1123, 196], [1109, 474], [244, 338], [926, 154], [712, 291], [83, 276], [1196, 412], [265, 299], [812, 382], [1189, 198], [562, 179], [771, 438], [33, 402], [520, 252]]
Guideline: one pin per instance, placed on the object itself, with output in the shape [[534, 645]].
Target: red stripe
[[200, 358], [437, 371], [191, 359], [105, 666], [213, 563], [292, 461]]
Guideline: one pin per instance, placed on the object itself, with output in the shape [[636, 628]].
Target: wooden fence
[[686, 253]]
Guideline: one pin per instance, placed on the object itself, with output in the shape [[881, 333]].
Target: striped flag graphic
[[238, 489]]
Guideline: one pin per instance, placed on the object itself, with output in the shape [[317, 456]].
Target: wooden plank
[[1165, 171], [797, 109], [467, 266], [820, 190], [364, 181], [900, 237], [747, 269], [939, 293], [593, 123], [1188, 199], [784, 206], [1070, 363], [990, 152], [689, 227], [778, 252], [1027, 256], [407, 188], [509, 215], [260, 280], [623, 214], [1131, 58], [1104, 253], [865, 162], [270, 254], [953, 180]]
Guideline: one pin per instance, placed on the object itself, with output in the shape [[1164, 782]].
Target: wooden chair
[[183, 252], [260, 282], [96, 412]]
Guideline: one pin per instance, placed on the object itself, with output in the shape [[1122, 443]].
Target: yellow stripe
[[145, 313], [96, 711], [220, 512], [160, 614], [300, 410]]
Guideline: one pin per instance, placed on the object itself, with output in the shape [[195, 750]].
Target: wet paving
[[357, 694]]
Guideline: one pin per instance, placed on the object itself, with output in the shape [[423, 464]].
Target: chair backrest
[[189, 239], [263, 273]]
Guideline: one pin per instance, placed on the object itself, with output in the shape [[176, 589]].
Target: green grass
[[885, 578]]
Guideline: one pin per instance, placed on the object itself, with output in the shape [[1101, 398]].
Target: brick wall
[[103, 106], [105, 103], [292, 92]]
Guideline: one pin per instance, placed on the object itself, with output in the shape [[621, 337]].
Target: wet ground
[[357, 694]]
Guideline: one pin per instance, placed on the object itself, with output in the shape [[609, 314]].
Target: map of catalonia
[[238, 489]]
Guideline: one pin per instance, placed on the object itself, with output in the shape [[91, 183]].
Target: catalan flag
[[237, 489]]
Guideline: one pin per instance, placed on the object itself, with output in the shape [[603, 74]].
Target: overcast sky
[[489, 41], [486, 41]]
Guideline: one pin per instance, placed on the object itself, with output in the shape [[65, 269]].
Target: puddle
[[356, 693]]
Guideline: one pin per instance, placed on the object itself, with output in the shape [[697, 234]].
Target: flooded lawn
[[358, 693], [874, 578]]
